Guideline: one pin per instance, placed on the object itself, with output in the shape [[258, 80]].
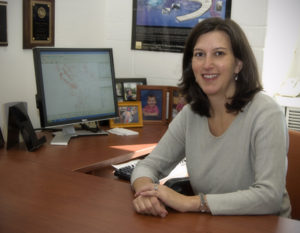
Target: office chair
[[293, 173]]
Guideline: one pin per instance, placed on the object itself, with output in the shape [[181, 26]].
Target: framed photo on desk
[[154, 103], [176, 102], [130, 115], [127, 88]]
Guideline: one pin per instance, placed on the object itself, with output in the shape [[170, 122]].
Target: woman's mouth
[[209, 76]]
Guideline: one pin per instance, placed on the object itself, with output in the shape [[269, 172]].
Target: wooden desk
[[41, 195], [87, 153]]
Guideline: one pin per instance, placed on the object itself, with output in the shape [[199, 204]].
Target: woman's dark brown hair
[[248, 83]]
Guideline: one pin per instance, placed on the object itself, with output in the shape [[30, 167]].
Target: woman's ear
[[239, 66]]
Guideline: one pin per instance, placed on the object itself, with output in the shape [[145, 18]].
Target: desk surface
[[85, 153], [42, 195]]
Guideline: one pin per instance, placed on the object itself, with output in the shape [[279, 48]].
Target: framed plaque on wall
[[38, 23], [3, 23]]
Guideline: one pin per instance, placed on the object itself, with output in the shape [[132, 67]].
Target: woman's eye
[[219, 53], [198, 54]]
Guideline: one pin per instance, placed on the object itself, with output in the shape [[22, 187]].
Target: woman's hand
[[169, 197], [147, 204]]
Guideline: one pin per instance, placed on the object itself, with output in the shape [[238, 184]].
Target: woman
[[234, 137]]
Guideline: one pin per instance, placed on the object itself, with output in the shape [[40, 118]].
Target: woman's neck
[[220, 119]]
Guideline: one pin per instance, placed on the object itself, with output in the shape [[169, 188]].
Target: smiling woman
[[214, 64], [233, 136], [233, 44]]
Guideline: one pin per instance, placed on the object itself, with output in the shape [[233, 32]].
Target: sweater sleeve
[[269, 146], [166, 155]]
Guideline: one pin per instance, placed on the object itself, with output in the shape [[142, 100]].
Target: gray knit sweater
[[242, 172]]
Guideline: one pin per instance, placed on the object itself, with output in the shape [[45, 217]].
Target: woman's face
[[214, 64]]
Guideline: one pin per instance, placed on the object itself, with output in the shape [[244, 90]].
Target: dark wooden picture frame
[[154, 103], [38, 23], [130, 115], [126, 88], [176, 102]]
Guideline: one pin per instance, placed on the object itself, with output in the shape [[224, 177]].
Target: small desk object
[[52, 190]]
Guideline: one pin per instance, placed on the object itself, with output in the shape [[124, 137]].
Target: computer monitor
[[74, 85]]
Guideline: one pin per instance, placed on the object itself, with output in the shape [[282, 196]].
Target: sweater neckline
[[230, 127]]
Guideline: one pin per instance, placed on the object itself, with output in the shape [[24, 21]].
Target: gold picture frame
[[130, 115]]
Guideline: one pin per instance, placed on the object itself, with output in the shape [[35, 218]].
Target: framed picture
[[153, 99], [120, 91], [127, 88], [3, 23], [164, 25], [130, 115], [176, 102], [38, 23]]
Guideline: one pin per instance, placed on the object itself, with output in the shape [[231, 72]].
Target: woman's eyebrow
[[217, 48]]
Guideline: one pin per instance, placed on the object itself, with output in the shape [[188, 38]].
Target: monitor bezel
[[40, 96]]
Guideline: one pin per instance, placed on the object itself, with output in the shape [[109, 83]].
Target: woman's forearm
[[140, 182]]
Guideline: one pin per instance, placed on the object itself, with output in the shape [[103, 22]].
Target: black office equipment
[[179, 184], [19, 122], [1, 139], [124, 172], [74, 86]]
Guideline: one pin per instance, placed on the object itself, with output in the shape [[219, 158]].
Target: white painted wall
[[165, 68], [283, 33], [107, 23]]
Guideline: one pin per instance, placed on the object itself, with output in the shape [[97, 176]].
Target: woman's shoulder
[[187, 115], [188, 111], [263, 101], [263, 107]]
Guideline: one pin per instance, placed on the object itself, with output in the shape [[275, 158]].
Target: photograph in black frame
[[164, 26], [126, 88]]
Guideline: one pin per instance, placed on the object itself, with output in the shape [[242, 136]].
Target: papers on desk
[[122, 131], [122, 165], [179, 171]]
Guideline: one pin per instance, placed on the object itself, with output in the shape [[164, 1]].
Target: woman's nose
[[208, 62]]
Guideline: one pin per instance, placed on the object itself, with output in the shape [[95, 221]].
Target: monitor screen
[[74, 85]]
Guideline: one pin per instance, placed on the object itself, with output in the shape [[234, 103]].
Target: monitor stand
[[63, 137]]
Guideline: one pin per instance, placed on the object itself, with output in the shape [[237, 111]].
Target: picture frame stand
[[19, 122], [1, 139]]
